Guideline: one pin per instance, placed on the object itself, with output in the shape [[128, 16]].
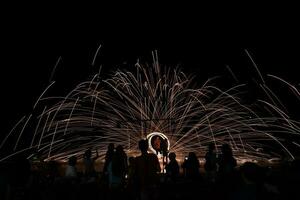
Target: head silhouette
[[226, 150], [72, 160], [119, 149], [88, 153], [111, 147], [211, 147], [192, 156], [172, 156], [143, 146], [251, 172]]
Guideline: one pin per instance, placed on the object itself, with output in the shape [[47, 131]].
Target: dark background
[[33, 40]]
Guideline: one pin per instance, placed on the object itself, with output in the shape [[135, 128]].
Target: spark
[[129, 105], [54, 68]]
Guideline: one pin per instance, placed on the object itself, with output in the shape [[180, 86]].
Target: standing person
[[226, 172], [71, 171], [108, 157], [191, 167], [147, 169], [226, 162], [105, 176], [117, 168], [172, 168], [89, 163], [210, 165], [164, 149]]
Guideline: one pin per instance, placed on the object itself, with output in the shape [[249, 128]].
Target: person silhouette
[[108, 157], [226, 178], [71, 171], [164, 150], [89, 163], [147, 169], [226, 161], [172, 168], [210, 165], [117, 169], [191, 167]]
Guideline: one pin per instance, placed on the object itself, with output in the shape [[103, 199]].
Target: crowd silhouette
[[141, 177]]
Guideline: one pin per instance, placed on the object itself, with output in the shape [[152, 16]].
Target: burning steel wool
[[161, 104]]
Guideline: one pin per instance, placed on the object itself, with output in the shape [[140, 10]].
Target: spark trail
[[127, 106]]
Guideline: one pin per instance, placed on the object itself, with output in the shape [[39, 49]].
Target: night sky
[[203, 41], [33, 41]]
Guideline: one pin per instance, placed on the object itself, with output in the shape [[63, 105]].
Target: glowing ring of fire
[[163, 136]]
